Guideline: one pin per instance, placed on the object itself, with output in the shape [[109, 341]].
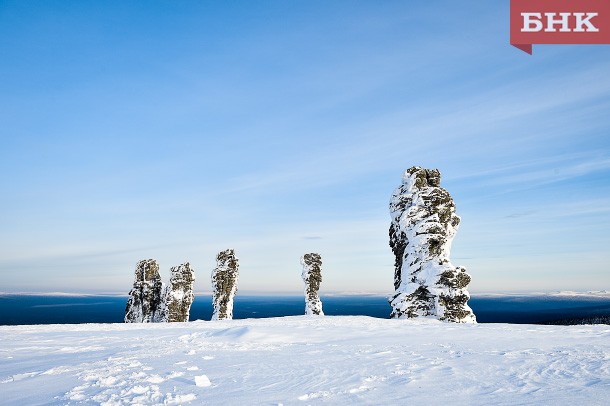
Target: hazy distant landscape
[[40, 309]]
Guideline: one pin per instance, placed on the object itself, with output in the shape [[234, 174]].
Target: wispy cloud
[[533, 175]]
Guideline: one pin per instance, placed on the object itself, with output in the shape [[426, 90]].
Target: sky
[[173, 130]]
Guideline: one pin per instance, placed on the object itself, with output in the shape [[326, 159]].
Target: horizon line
[[327, 293]]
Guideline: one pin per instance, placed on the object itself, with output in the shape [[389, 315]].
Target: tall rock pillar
[[312, 276], [145, 301], [423, 226], [179, 293], [224, 284]]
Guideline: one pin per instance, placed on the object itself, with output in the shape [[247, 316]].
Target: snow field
[[305, 360]]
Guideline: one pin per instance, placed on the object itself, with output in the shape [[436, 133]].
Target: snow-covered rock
[[423, 226], [179, 294], [312, 276], [224, 284], [146, 302]]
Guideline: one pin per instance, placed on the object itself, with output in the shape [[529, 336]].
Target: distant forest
[[580, 320]]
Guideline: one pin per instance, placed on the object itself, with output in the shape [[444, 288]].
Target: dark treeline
[[580, 321]]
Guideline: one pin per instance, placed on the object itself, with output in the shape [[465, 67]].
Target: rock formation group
[[423, 225], [152, 302]]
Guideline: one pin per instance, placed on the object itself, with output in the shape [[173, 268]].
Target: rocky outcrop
[[179, 293], [312, 276], [224, 284], [423, 226], [152, 302], [146, 303]]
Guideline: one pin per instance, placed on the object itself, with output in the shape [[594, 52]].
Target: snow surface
[[305, 360]]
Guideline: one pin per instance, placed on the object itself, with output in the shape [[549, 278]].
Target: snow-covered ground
[[305, 360]]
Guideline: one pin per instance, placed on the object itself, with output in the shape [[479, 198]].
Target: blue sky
[[172, 130]]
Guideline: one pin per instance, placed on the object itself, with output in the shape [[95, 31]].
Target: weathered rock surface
[[224, 284], [150, 301], [179, 293], [146, 303], [312, 276], [423, 226]]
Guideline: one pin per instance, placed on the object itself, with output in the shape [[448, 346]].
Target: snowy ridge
[[591, 293], [305, 360], [62, 294], [602, 294]]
